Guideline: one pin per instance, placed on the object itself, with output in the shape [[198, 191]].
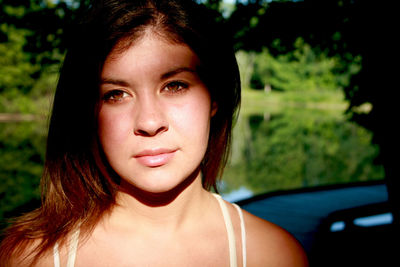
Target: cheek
[[113, 127], [193, 117]]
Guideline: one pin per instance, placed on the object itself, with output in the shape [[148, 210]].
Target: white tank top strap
[[243, 234], [56, 255], [229, 229], [72, 248], [231, 233]]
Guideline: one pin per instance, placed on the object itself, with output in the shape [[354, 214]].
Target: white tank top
[[74, 239]]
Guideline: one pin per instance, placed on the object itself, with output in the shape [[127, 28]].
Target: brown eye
[[175, 87], [115, 95]]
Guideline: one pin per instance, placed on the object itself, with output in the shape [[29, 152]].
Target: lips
[[155, 157]]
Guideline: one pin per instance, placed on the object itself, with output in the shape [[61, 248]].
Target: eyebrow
[[163, 76], [176, 71], [113, 81]]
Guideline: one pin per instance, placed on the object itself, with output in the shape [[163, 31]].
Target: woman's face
[[155, 112]]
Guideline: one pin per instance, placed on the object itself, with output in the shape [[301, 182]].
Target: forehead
[[149, 51]]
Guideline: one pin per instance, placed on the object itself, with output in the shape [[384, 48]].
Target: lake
[[283, 148]]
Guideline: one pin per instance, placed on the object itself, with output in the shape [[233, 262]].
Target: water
[[290, 148]]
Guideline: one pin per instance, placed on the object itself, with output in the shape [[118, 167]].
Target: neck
[[168, 209]]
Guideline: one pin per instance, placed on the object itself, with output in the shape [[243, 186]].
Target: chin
[[158, 188], [169, 186], [151, 185]]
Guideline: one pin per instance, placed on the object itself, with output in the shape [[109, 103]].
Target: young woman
[[139, 133]]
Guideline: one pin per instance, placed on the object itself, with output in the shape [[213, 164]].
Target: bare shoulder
[[25, 256], [270, 245]]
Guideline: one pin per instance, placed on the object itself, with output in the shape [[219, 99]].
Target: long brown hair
[[76, 188]]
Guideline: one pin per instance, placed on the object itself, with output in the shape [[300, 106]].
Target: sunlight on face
[[154, 118]]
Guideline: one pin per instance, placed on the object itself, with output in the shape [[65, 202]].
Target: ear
[[214, 108]]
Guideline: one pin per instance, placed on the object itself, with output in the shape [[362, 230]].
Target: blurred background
[[316, 98]]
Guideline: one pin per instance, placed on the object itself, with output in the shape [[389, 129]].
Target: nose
[[150, 118]]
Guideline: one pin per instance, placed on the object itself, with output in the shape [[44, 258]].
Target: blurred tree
[[31, 50], [45, 21], [299, 70], [21, 164], [16, 70]]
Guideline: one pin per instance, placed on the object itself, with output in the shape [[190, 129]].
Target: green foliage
[[246, 62], [16, 71], [21, 163], [30, 54], [21, 82], [299, 70]]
